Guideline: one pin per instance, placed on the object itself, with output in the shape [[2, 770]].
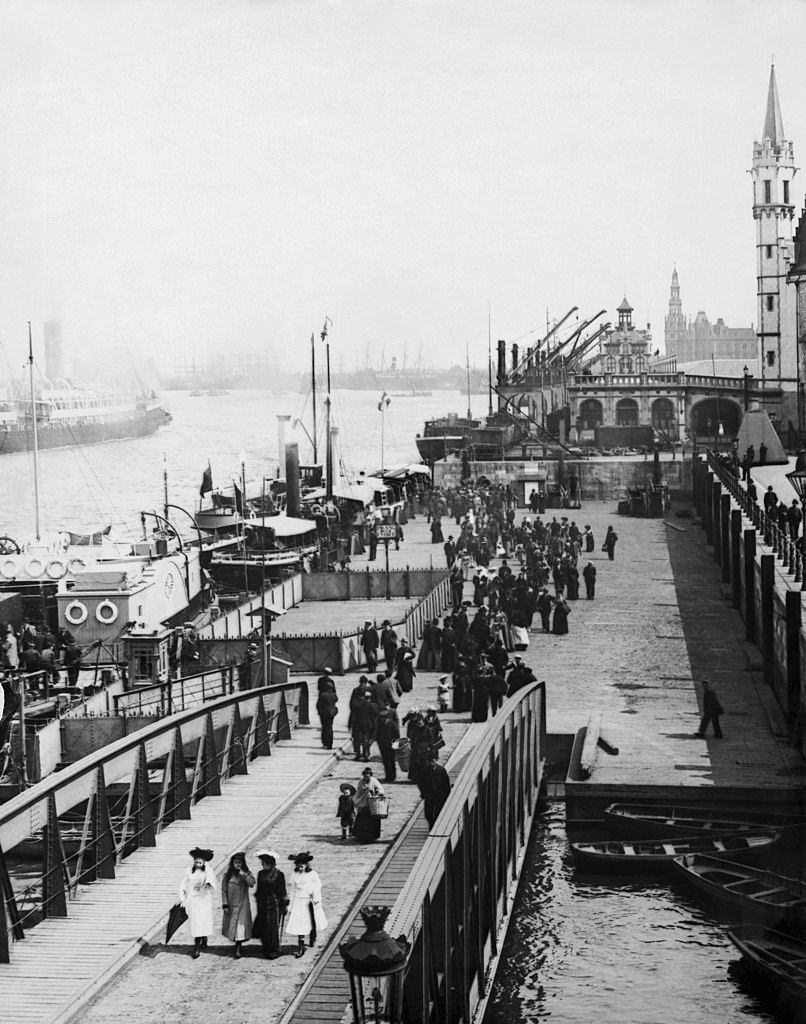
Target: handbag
[[379, 806], [604, 547]]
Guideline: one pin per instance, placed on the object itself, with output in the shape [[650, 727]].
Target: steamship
[[68, 415]]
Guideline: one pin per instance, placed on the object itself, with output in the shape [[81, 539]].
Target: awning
[[283, 526], [413, 469]]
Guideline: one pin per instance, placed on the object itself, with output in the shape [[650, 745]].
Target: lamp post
[[376, 965], [746, 381], [383, 405]]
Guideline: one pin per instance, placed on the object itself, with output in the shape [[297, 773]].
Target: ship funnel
[[282, 423], [292, 479], [502, 363], [514, 358]]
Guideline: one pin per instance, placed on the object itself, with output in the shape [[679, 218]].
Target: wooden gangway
[[216, 774]]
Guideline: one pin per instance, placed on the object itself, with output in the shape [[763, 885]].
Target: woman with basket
[[370, 806]]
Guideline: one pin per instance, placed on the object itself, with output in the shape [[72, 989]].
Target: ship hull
[[69, 436]]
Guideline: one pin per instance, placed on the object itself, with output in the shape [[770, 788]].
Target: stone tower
[[675, 323], [773, 210]]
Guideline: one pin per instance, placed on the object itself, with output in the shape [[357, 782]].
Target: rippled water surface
[[85, 488], [611, 949]]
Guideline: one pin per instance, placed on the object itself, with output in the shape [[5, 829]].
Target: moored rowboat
[[757, 894], [780, 958], [644, 820], [657, 854]]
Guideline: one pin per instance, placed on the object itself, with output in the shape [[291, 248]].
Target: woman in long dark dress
[[366, 827], [272, 903], [436, 531], [431, 648], [561, 613]]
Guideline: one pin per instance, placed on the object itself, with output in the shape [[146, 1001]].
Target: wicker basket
[[379, 806]]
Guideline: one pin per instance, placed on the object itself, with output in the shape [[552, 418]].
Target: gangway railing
[[459, 892], [81, 822]]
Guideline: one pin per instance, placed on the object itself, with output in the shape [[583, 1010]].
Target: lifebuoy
[[75, 565], [76, 613], [35, 567], [56, 568], [8, 569], [106, 606]]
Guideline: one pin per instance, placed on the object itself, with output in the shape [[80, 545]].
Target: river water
[[83, 489], [616, 950]]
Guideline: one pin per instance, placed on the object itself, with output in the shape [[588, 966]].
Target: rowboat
[[781, 959], [645, 820], [651, 854], [756, 894]]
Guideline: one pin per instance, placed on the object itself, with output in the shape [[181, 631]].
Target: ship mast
[[328, 441], [489, 360], [313, 398], [467, 364], [36, 436]]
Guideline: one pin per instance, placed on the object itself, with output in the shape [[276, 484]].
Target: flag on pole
[[238, 499], [207, 481]]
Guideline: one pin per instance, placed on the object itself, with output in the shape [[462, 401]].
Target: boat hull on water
[[777, 958], [139, 423], [646, 821], [657, 855], [757, 895]]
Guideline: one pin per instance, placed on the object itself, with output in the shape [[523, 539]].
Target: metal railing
[[82, 821], [786, 548], [167, 698], [458, 893]]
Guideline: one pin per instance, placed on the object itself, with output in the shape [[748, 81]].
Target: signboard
[[386, 531]]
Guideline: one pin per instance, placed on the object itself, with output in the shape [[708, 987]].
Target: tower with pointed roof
[[674, 323], [773, 210]]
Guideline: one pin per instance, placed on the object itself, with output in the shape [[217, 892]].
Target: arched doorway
[[590, 414], [627, 413], [707, 415], [663, 417]]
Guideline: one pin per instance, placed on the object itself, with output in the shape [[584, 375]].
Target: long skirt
[[267, 926], [480, 704], [367, 827]]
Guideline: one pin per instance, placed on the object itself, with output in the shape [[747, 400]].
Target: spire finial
[[773, 123]]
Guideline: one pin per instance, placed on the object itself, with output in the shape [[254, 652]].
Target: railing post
[[54, 888], [725, 534], [735, 567]]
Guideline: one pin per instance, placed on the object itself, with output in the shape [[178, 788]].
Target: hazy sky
[[203, 173]]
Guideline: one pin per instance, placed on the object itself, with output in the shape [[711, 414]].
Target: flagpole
[[328, 440], [313, 397]]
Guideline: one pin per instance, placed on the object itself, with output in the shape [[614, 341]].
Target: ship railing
[[119, 798]]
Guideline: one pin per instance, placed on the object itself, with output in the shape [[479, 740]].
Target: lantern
[[376, 964]]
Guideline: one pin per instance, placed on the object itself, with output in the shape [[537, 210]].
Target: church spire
[[773, 123]]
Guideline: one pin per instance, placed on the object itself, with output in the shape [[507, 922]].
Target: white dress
[[304, 892], [196, 896]]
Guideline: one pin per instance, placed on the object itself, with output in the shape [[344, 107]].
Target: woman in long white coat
[[305, 913], [196, 896]]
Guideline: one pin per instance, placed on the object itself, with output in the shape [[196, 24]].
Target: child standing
[[346, 809]]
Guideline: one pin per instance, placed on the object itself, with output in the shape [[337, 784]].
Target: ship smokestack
[[282, 423], [502, 363], [292, 478], [514, 357]]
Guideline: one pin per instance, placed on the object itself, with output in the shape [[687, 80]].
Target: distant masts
[[35, 434]]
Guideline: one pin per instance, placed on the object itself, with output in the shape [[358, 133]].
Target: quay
[[629, 669]]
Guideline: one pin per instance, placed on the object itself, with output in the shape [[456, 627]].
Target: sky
[[180, 179]]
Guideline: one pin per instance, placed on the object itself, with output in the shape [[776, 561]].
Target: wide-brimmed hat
[[408, 657], [345, 787], [305, 857], [442, 679], [198, 853], [327, 669], [260, 854]]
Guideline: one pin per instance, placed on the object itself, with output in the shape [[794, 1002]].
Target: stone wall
[[764, 573]]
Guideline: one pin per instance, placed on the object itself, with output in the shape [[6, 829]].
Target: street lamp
[[746, 378], [383, 405], [376, 965]]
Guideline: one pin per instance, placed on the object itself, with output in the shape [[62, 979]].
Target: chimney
[[502, 363], [282, 423], [292, 479], [514, 357]]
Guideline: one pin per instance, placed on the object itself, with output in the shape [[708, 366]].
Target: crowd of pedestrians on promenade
[[787, 517]]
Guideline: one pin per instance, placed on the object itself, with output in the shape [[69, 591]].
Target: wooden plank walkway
[[62, 962], [326, 994]]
